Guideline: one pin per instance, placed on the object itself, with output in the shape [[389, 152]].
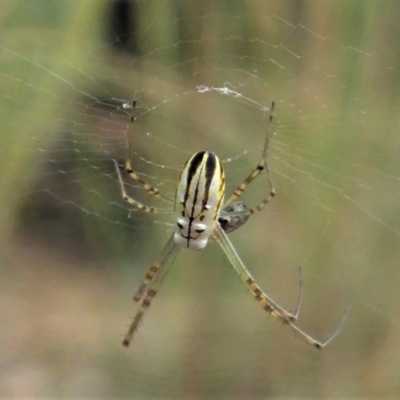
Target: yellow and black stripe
[[199, 197]]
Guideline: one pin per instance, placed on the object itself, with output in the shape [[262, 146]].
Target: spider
[[202, 215]]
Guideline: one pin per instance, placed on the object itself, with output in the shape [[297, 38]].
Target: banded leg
[[155, 267], [169, 253], [140, 206], [261, 297], [316, 343], [265, 301], [127, 165], [262, 165]]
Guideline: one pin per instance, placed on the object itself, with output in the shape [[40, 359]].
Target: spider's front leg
[[265, 301], [261, 297]]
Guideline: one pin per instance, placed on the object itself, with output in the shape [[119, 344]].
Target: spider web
[[203, 76]]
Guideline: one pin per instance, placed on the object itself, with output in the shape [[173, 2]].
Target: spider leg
[[155, 267], [316, 343], [135, 203], [168, 256], [264, 300], [262, 165], [127, 165], [261, 297]]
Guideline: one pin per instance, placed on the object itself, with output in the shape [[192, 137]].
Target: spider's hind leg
[[126, 165], [168, 255]]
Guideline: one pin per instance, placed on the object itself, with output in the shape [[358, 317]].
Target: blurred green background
[[72, 254]]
